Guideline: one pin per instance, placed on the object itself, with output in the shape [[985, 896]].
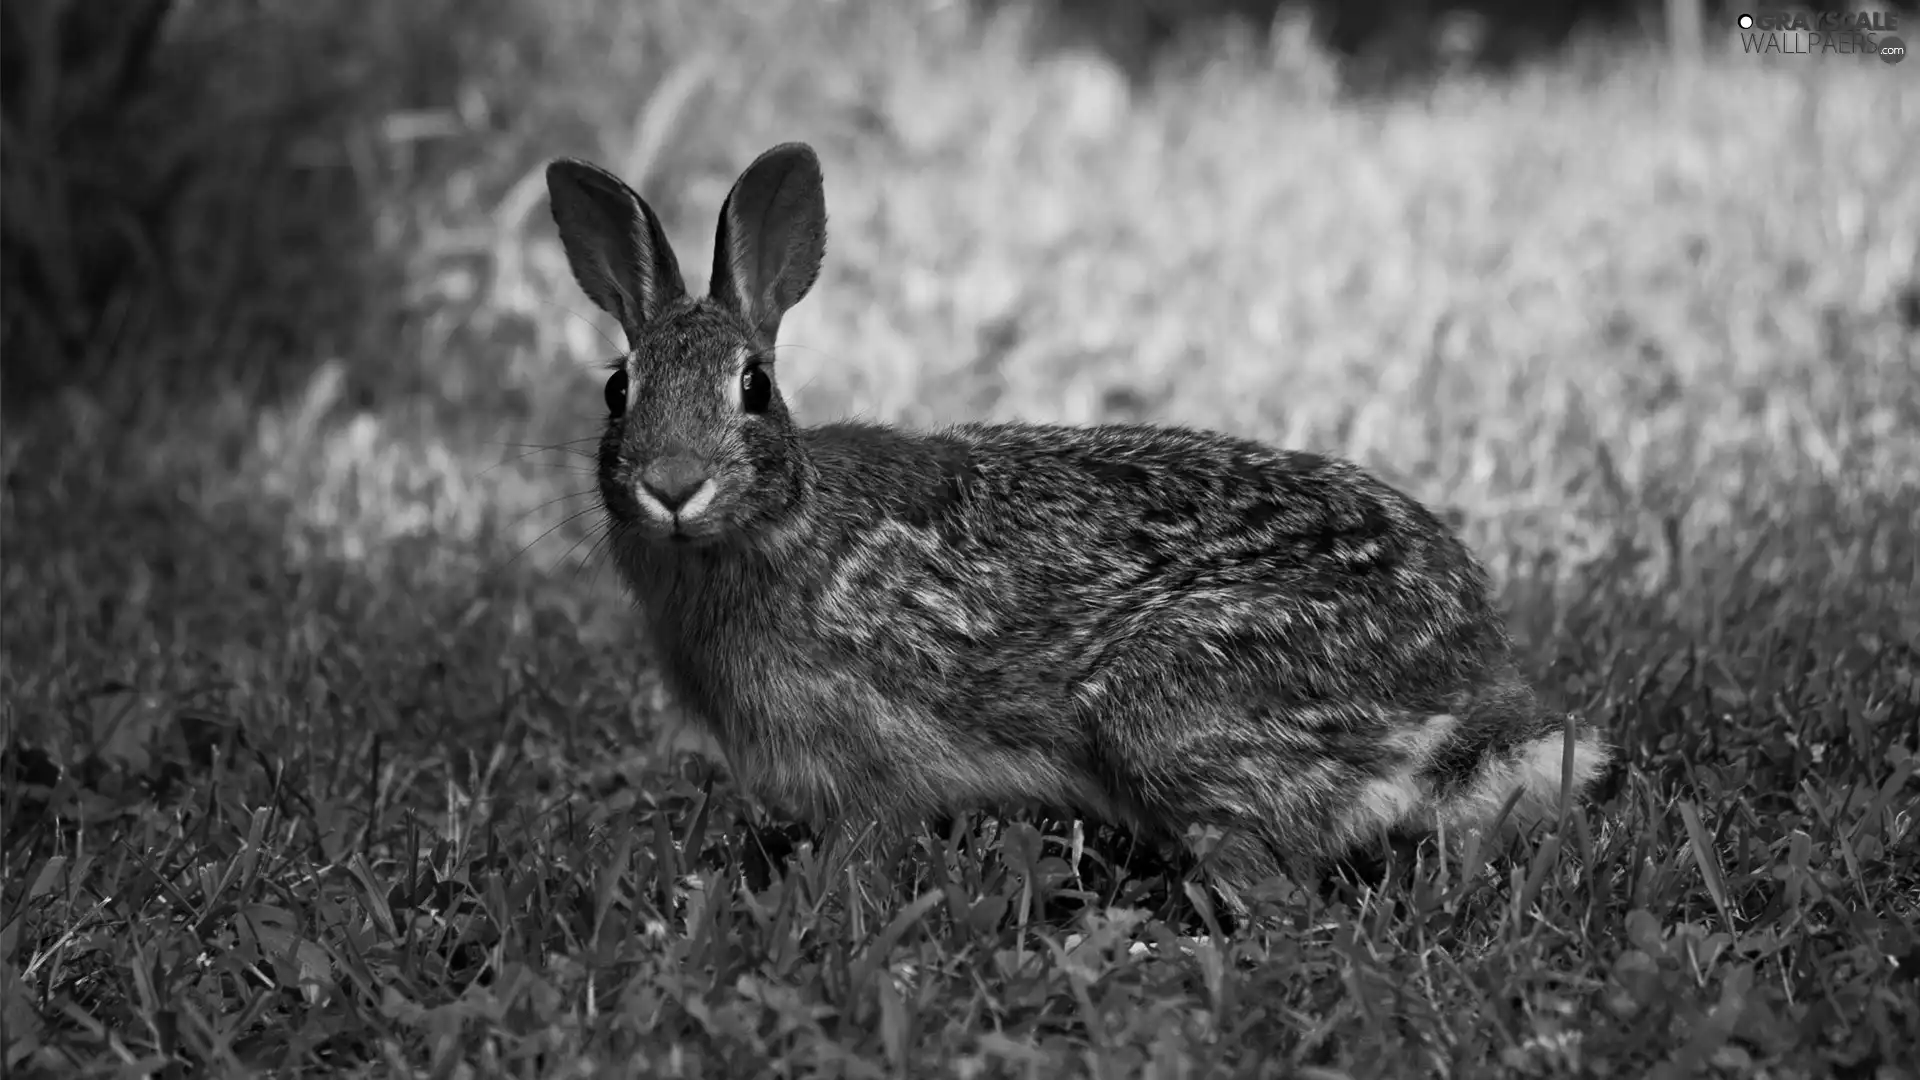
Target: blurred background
[[301, 567], [283, 302]]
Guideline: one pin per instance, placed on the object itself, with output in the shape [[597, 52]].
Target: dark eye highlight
[[617, 393], [756, 389]]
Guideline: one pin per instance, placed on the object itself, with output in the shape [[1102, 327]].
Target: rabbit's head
[[699, 443]]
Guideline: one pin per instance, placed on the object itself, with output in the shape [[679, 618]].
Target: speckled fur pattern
[[1153, 626]]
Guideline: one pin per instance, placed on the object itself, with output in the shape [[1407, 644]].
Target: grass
[[329, 752]]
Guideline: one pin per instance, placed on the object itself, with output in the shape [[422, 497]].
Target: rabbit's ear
[[618, 251], [773, 232]]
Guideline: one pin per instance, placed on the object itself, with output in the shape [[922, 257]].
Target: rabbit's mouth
[[674, 532], [683, 532]]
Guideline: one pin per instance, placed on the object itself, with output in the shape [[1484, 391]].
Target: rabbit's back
[[1014, 568]]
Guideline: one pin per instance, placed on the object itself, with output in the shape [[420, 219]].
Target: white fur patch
[[652, 509], [1536, 771], [702, 499], [1402, 797], [1399, 795]]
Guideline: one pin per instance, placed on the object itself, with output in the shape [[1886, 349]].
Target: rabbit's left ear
[[773, 233]]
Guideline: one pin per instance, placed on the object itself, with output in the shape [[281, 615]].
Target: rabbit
[[1154, 627]]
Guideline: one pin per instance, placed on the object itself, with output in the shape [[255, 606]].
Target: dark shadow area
[[151, 221], [211, 196], [1385, 43]]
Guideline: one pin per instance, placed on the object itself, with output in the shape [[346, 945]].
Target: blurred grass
[[354, 761]]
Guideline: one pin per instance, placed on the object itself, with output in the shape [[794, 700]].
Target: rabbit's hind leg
[[1293, 787], [1275, 802]]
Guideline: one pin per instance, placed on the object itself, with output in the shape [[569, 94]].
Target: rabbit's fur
[[1156, 627]]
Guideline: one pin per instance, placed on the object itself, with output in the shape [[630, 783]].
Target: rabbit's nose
[[674, 482]]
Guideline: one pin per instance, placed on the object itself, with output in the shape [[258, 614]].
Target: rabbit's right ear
[[618, 251]]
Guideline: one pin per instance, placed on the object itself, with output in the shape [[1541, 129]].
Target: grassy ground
[[330, 752]]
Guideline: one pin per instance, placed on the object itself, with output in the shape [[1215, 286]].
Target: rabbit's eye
[[756, 389], [617, 393]]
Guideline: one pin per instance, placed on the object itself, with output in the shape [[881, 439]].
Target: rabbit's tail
[[1458, 769], [1507, 742]]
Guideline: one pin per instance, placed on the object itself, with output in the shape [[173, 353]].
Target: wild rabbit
[[1151, 626]]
